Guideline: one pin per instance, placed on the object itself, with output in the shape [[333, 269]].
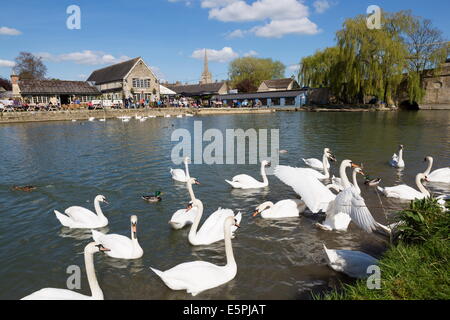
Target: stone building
[[132, 78], [206, 76], [279, 85], [54, 91]]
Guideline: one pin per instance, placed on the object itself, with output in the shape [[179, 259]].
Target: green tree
[[29, 66], [246, 74]]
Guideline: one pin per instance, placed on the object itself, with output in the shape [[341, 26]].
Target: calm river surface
[[72, 162]]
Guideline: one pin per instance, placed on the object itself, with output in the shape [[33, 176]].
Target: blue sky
[[169, 34]]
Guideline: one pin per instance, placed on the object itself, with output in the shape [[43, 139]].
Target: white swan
[[317, 164], [326, 173], [338, 184], [82, 218], [352, 263], [198, 276], [91, 118], [438, 175], [179, 174], [341, 209], [397, 161], [406, 192], [282, 209], [212, 229], [183, 217], [121, 247], [244, 181], [64, 294]]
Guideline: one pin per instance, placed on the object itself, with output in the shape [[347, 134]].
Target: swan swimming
[[438, 175], [244, 181], [406, 192], [82, 218], [317, 164], [184, 217], [198, 276], [326, 173], [397, 160], [179, 174], [64, 294], [119, 246], [352, 263], [212, 229], [282, 209]]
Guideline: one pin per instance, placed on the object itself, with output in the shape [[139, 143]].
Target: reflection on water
[[71, 163]]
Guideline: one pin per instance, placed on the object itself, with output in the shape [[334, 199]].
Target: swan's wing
[[312, 172], [360, 214], [441, 175], [245, 179], [80, 214], [215, 222], [314, 163], [118, 244], [313, 192], [178, 173]]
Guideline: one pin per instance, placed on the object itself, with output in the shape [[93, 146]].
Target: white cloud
[[87, 57], [9, 31], [216, 3], [224, 55], [251, 53], [240, 11], [321, 5], [294, 68], [238, 33], [7, 63], [279, 28]]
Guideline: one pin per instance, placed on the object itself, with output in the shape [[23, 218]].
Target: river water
[[72, 162]]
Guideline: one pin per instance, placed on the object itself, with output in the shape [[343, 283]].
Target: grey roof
[[6, 94], [112, 73], [261, 95], [56, 87], [278, 83], [196, 89]]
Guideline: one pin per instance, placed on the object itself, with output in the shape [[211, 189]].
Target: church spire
[[206, 76]]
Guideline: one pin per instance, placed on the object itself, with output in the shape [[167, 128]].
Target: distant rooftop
[[112, 73], [196, 89], [56, 87]]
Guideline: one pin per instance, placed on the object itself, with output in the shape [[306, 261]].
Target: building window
[[141, 83]]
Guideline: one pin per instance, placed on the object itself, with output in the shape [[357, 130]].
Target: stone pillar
[[15, 86]]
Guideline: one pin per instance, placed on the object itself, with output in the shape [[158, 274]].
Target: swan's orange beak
[[189, 207], [354, 165], [134, 228], [255, 213]]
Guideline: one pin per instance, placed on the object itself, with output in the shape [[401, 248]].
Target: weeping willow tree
[[367, 62]]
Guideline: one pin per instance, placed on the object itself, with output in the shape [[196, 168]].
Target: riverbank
[[68, 115], [416, 266]]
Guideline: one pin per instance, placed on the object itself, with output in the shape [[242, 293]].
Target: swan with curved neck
[[326, 173], [198, 276], [406, 192], [282, 209], [439, 175], [397, 161], [183, 217], [244, 181], [64, 294], [82, 218], [121, 247], [179, 174], [320, 165], [211, 230]]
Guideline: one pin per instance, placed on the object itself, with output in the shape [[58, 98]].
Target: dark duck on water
[[24, 188], [155, 198]]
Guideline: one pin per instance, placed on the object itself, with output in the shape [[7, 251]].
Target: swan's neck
[[343, 175], [263, 174], [190, 190], [228, 247], [430, 165], [421, 187], [267, 206], [194, 227], [187, 169], [355, 181], [325, 165], [96, 291], [98, 209], [400, 155]]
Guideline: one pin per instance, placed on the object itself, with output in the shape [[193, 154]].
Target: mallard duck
[[155, 198], [372, 181], [24, 188]]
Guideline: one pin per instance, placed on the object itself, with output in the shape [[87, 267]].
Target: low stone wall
[[13, 117]]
